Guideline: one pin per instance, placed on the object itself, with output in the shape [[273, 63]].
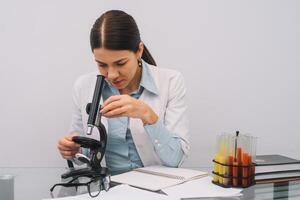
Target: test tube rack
[[240, 176], [232, 164]]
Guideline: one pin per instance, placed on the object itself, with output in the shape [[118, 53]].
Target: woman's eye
[[101, 65], [121, 64]]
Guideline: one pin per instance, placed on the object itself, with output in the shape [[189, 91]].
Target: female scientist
[[144, 105]]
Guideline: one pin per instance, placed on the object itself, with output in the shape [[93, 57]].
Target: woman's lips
[[117, 82]]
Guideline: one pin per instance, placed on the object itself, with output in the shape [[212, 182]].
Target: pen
[[235, 162]]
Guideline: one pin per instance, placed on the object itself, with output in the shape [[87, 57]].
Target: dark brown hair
[[117, 30]]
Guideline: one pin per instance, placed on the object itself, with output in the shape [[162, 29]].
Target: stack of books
[[276, 168]]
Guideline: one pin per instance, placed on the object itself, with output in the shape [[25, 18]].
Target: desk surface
[[35, 183]]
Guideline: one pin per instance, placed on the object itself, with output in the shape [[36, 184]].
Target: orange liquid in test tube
[[230, 163], [245, 169], [251, 170], [239, 161], [235, 173]]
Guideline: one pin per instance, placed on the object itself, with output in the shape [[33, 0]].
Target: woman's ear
[[140, 50]]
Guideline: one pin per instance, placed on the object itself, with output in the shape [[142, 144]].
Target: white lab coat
[[169, 105]]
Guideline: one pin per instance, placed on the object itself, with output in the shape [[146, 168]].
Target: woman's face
[[120, 68]]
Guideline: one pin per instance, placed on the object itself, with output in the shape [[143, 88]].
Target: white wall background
[[240, 60]]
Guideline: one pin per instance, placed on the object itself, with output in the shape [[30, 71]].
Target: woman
[[144, 105]]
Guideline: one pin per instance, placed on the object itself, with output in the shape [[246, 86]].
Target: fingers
[[68, 154], [118, 112], [67, 143], [111, 106], [121, 106], [67, 147], [112, 99]]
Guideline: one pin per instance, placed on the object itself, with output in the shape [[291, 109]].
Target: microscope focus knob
[[98, 155], [88, 108]]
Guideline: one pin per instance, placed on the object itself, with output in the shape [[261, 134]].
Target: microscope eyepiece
[[93, 108]]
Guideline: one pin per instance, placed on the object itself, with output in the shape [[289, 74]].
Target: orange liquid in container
[[239, 161], [235, 173], [230, 163], [245, 169]]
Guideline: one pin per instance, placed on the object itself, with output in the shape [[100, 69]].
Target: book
[[277, 177], [275, 163], [155, 178]]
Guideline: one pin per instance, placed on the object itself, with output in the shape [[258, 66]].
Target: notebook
[[155, 178], [291, 175], [275, 163]]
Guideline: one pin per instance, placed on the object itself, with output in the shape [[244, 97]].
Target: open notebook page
[[176, 173], [157, 177]]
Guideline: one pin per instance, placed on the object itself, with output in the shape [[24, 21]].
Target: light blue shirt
[[121, 153]]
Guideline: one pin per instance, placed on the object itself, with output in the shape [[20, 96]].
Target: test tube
[[224, 151], [245, 160], [227, 160], [237, 160], [252, 158], [222, 158], [230, 157], [216, 158]]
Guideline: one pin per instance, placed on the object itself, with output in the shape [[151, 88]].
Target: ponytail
[[148, 57]]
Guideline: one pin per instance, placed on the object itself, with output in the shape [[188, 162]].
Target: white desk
[[35, 184]]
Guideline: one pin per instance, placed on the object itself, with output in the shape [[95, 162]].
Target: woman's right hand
[[67, 147]]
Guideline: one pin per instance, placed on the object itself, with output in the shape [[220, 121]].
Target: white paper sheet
[[146, 181], [121, 192], [202, 187], [156, 178]]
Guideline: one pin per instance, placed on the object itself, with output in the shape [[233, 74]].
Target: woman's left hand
[[127, 106]]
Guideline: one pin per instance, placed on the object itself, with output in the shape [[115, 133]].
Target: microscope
[[94, 171]]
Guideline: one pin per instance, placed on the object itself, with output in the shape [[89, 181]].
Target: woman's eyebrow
[[117, 61], [122, 59], [100, 62]]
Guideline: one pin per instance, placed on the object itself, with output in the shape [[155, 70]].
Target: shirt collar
[[147, 81]]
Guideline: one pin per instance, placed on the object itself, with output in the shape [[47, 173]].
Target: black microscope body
[[96, 148]]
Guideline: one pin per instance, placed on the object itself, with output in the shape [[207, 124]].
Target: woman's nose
[[112, 73]]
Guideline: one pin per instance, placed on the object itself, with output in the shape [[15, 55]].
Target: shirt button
[[156, 141]]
